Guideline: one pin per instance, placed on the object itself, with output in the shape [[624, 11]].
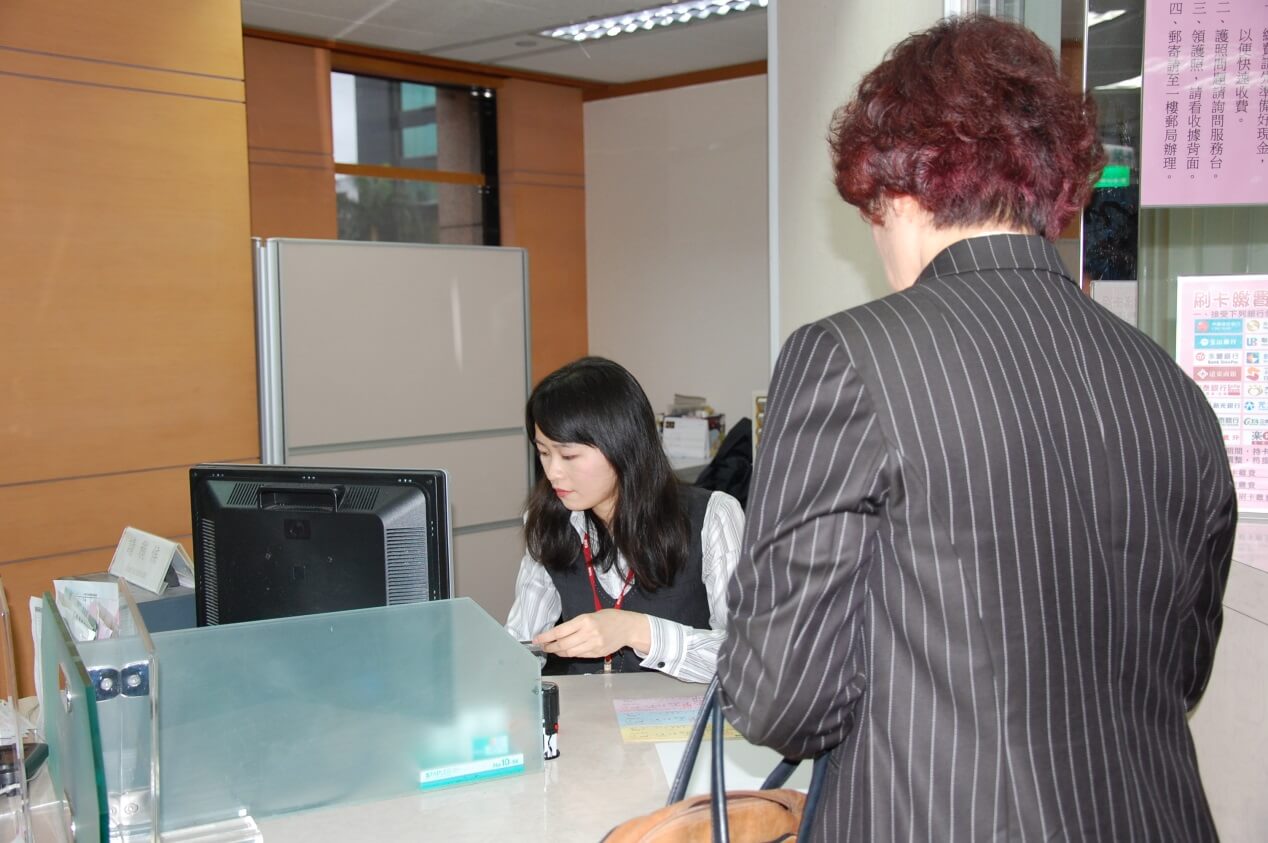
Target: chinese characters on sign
[[1222, 342], [1119, 297], [1204, 120]]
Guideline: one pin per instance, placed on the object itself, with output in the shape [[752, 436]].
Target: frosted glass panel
[[286, 715]]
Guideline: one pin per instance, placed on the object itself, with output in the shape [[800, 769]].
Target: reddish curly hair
[[973, 120]]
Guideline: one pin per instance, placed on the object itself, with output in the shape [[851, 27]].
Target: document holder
[[98, 703]]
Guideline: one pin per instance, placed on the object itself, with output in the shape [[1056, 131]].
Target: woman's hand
[[597, 634]]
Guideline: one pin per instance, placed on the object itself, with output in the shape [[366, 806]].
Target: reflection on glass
[[400, 211], [1011, 9], [1153, 245], [1113, 76], [390, 123], [1194, 241]]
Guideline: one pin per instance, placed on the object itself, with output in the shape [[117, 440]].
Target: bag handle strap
[[717, 796], [678, 789], [711, 714], [818, 774]]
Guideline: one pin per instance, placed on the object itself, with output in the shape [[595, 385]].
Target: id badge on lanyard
[[594, 589]]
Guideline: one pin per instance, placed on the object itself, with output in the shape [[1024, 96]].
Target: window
[[414, 163]]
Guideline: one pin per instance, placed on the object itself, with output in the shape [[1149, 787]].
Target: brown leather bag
[[773, 814], [753, 816]]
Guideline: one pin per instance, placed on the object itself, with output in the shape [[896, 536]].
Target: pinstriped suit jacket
[[987, 540]]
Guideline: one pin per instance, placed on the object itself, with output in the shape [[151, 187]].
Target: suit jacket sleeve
[[791, 667], [1202, 626]]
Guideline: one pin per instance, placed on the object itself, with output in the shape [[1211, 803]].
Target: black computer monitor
[[276, 541]]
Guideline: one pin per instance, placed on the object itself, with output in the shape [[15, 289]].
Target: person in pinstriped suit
[[991, 523]]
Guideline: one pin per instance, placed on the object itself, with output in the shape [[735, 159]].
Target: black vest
[[684, 601]]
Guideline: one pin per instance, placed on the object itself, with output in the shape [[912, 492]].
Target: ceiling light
[[644, 19], [1093, 18]]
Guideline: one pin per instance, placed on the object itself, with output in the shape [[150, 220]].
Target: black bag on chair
[[771, 814], [731, 469]]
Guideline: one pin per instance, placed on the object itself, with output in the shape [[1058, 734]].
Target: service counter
[[597, 781]]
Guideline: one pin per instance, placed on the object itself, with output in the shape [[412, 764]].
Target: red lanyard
[[594, 589]]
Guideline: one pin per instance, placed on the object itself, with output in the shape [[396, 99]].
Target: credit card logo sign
[[1218, 373]]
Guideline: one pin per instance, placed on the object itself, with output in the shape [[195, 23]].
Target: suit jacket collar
[[996, 252]]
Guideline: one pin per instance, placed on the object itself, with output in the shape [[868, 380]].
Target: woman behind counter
[[626, 568]]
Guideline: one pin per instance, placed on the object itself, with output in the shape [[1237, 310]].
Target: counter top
[[597, 781]]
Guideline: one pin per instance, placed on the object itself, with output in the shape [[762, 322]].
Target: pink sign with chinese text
[[1222, 342], [1204, 103]]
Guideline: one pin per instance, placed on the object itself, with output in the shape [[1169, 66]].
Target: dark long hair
[[593, 401]]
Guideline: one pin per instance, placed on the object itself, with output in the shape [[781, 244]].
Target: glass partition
[[69, 707], [15, 805], [1153, 246], [271, 717], [123, 673]]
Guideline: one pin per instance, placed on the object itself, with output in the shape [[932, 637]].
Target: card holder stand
[[120, 692], [15, 801]]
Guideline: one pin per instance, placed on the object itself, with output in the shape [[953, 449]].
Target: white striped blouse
[[686, 653]]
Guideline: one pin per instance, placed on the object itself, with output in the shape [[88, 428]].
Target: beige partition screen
[[405, 356]]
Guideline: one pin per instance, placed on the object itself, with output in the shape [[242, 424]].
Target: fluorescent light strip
[[650, 18], [1093, 18], [1125, 85]]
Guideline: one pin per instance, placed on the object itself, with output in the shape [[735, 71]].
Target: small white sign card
[[144, 559]]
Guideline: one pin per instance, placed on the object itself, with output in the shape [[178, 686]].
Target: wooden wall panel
[[289, 140], [550, 222], [540, 130], [24, 580], [541, 161], [188, 37], [288, 96], [34, 517], [293, 201], [121, 76], [127, 324], [128, 281]]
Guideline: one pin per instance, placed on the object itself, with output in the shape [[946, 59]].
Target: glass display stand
[[15, 803], [258, 719], [124, 677], [69, 707]]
